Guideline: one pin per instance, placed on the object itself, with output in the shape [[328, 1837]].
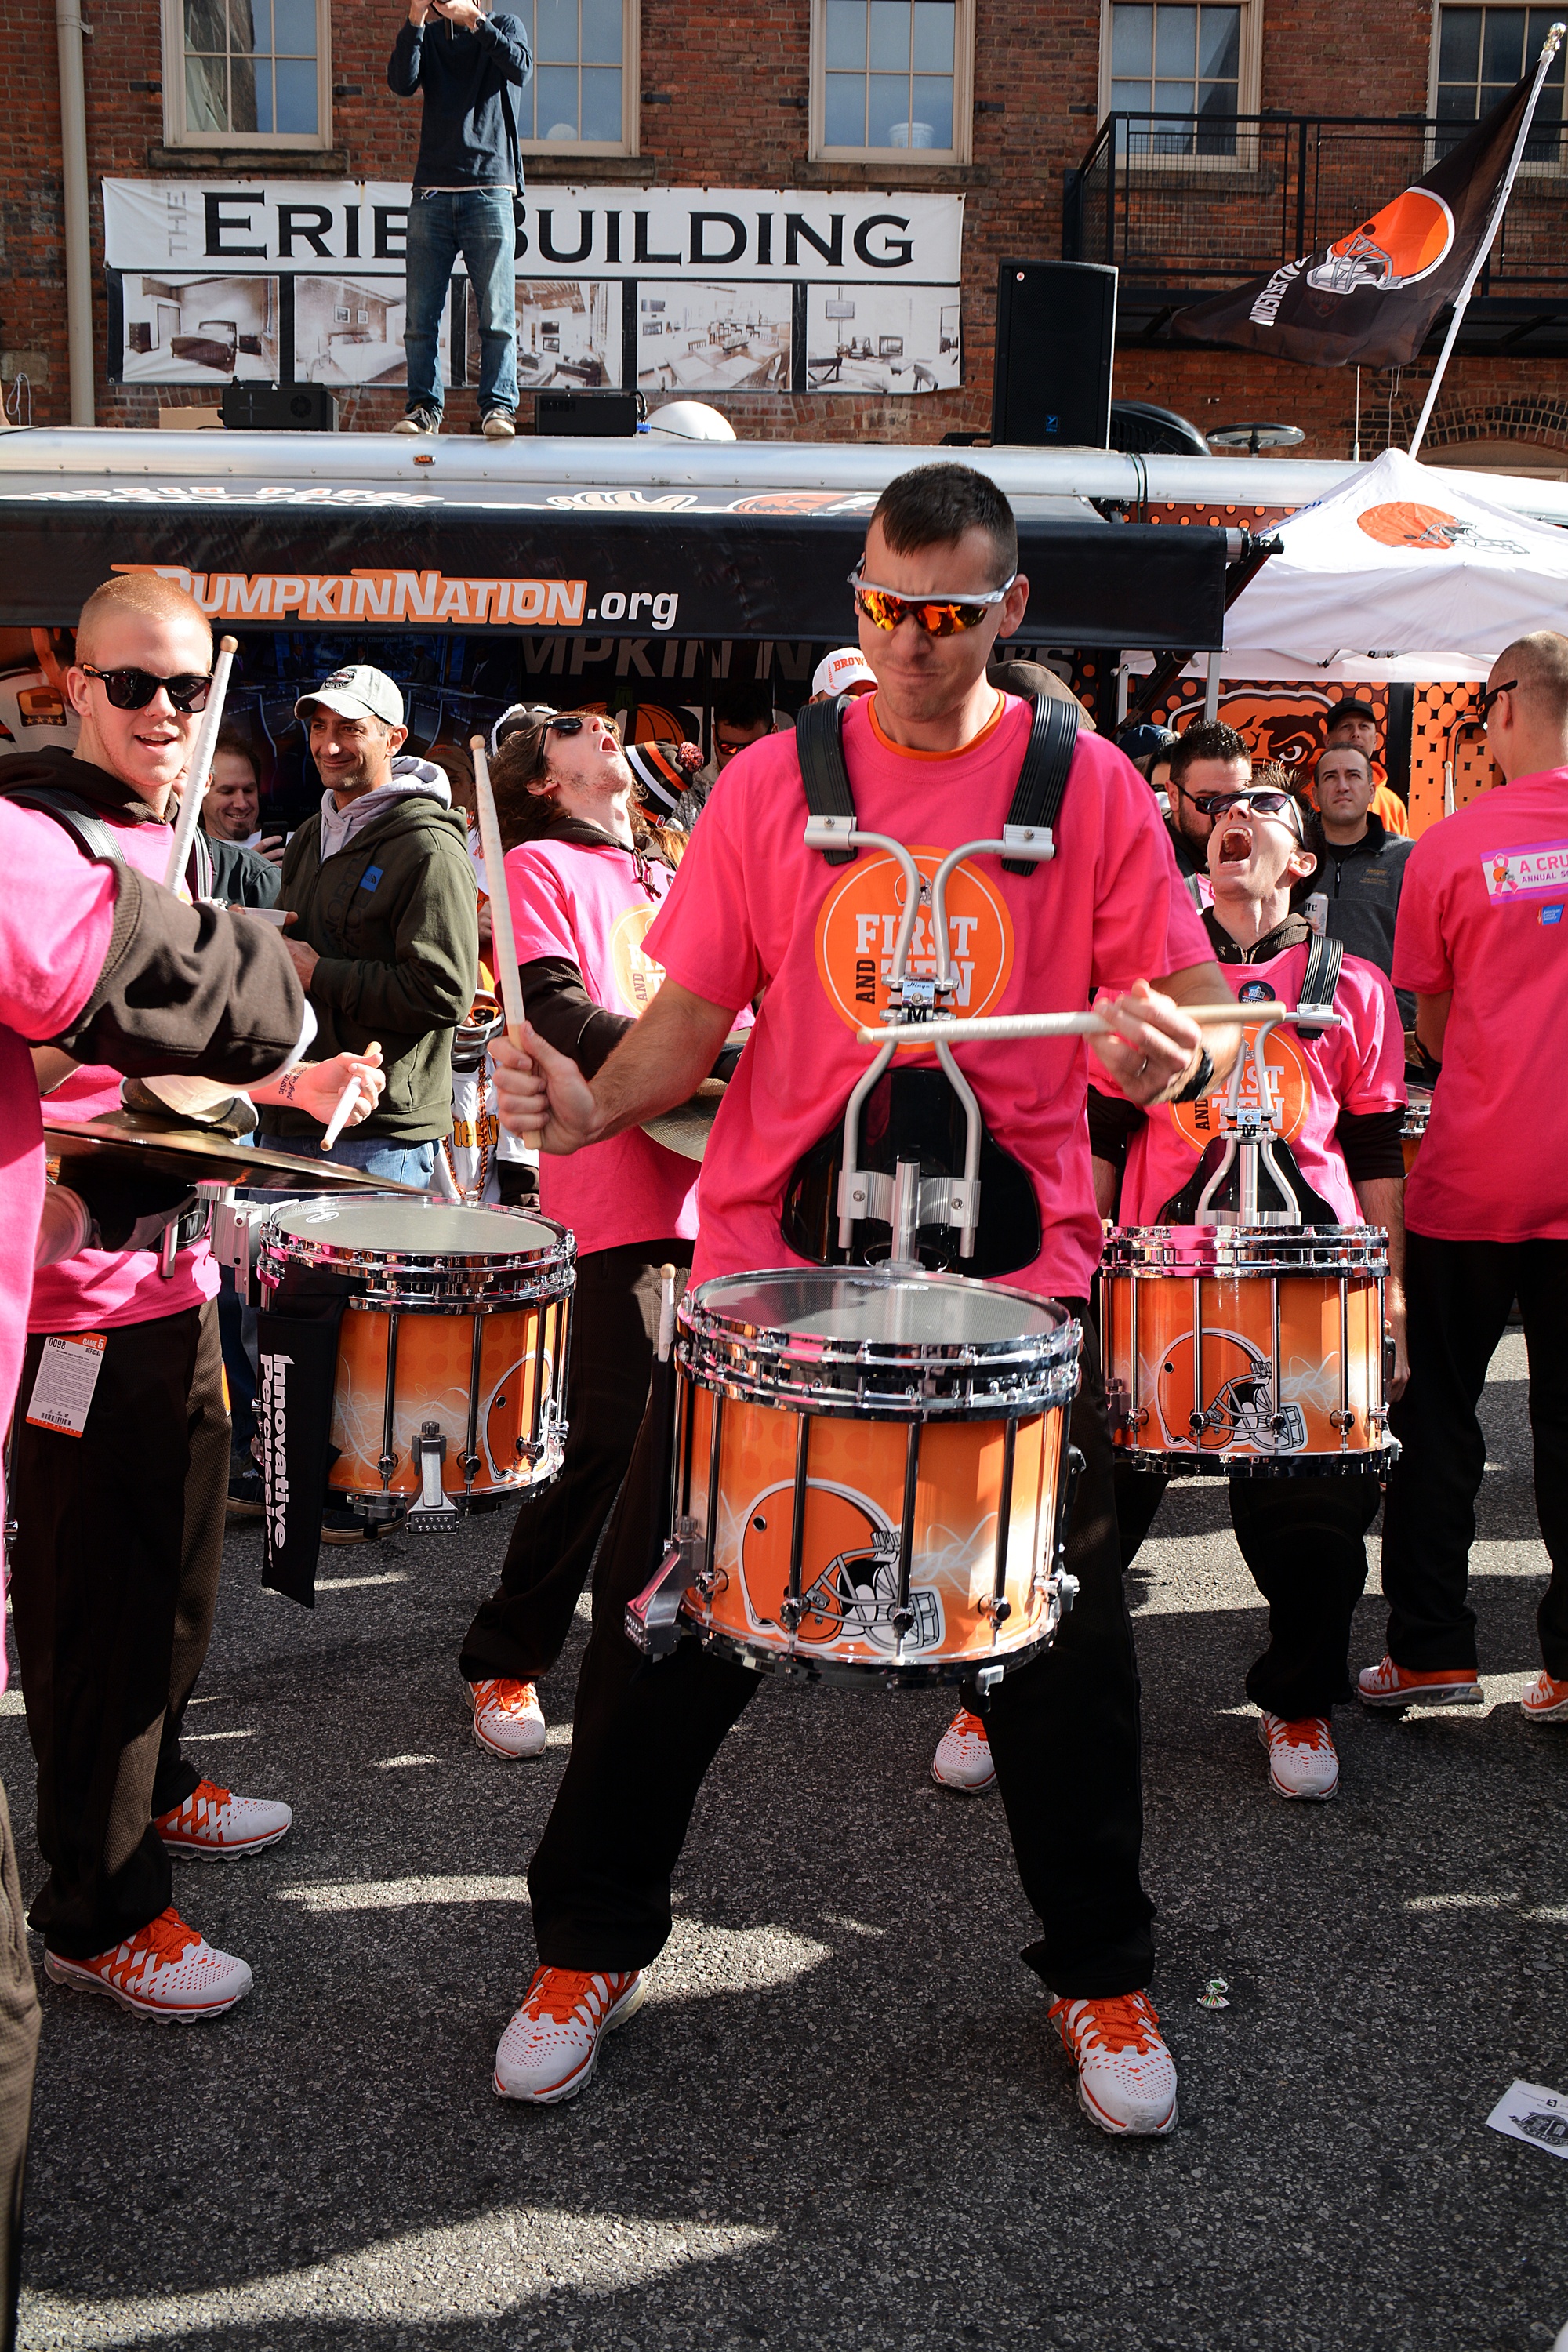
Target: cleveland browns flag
[[1369, 299]]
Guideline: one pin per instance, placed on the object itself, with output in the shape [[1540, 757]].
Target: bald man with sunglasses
[[933, 757]]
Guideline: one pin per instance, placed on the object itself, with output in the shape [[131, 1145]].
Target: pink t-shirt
[[57, 912], [98, 1290], [1483, 911], [754, 908], [592, 908], [1360, 1066]]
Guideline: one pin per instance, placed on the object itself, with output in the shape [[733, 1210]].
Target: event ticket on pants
[[68, 1375]]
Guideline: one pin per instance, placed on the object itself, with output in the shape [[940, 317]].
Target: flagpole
[[1549, 49]]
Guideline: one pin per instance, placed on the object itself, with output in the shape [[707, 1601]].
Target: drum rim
[[854, 1674], [1325, 1250], [1172, 1462], [1048, 1343], [560, 1251]]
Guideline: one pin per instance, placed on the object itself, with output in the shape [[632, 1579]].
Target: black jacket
[[1361, 881], [469, 79]]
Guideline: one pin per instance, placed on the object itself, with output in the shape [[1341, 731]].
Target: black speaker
[[1056, 337], [273, 408], [585, 412]]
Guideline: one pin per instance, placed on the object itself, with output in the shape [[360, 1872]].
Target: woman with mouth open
[[1301, 1538]]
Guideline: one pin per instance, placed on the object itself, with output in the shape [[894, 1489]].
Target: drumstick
[[1063, 1024], [340, 1109], [503, 947], [665, 1312], [200, 763]]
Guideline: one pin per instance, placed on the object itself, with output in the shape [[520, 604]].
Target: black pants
[[1303, 1539], [18, 2057], [1064, 1733], [114, 1579], [1459, 1294], [519, 1631]]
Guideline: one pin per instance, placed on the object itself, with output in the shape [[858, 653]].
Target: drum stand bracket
[[434, 1513], [653, 1620]]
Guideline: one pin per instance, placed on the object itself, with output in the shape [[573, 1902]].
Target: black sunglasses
[[568, 726], [1483, 709], [1267, 802], [133, 689]]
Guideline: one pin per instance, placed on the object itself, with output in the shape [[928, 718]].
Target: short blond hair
[[137, 592]]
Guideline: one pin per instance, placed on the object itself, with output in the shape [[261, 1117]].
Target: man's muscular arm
[[661, 1061]]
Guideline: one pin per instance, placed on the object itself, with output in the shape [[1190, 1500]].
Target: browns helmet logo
[[849, 1569], [1405, 522], [1398, 247], [1239, 1408]]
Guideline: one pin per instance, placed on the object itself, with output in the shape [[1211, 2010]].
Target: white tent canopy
[[1398, 559]]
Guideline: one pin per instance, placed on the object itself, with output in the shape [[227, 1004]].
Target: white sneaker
[[419, 420], [1303, 1760], [499, 427], [550, 2047], [165, 1971], [508, 1719], [214, 1825], [962, 1759], [1126, 2076]]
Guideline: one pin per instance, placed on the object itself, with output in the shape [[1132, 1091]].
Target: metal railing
[[1195, 202]]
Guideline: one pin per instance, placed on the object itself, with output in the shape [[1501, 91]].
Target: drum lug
[[653, 1618], [433, 1514], [995, 1611]]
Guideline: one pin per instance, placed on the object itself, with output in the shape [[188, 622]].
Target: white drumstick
[[503, 947], [201, 764], [340, 1109], [1071, 1024]]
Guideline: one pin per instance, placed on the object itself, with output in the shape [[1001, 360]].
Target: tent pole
[[1211, 686], [1549, 48]]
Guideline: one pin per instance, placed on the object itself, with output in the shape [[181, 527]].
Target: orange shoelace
[[968, 1725], [559, 1993], [166, 1938], [1306, 1732], [1127, 2021], [512, 1698]]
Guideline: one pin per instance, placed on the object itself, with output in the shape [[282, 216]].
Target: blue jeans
[[479, 224], [377, 1155]]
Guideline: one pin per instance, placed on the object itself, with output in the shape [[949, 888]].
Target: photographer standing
[[469, 168]]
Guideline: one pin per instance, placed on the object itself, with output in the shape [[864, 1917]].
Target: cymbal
[[199, 1154], [685, 1129]]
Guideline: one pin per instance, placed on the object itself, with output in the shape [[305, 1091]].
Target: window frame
[[1249, 98], [628, 142], [906, 158], [177, 134], [1541, 169]]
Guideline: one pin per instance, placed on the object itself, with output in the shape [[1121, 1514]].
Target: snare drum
[[1247, 1351], [451, 1371], [1417, 1111], [871, 1472]]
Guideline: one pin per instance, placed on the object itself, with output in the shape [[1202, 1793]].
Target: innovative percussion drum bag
[[296, 1343]]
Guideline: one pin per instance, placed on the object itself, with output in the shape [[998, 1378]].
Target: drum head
[[870, 1305], [396, 1228]]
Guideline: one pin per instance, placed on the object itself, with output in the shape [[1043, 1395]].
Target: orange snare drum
[[870, 1473], [451, 1372], [1417, 1111], [1247, 1351]]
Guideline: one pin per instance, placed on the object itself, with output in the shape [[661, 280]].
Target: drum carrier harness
[[911, 1175]]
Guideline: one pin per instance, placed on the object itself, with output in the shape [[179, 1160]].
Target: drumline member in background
[[120, 1542], [936, 753], [588, 874], [1483, 927], [101, 963], [1301, 1538]]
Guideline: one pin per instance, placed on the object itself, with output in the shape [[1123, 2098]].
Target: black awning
[[734, 566]]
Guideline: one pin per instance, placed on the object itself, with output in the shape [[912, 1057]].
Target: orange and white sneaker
[[214, 1825], [962, 1760], [1546, 1701], [1390, 1686], [166, 1971], [550, 2047], [1302, 1761], [1126, 2076], [508, 1719]]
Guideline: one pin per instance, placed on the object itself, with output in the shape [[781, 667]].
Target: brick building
[[1001, 105]]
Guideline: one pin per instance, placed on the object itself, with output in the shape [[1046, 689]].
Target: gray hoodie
[[339, 826]]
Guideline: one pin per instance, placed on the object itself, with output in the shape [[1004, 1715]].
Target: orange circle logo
[[859, 923], [1406, 523], [1199, 1121], [1398, 245], [637, 977]]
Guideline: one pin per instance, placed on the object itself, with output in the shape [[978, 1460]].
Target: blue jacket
[[465, 141]]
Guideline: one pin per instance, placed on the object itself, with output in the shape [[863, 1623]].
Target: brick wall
[[725, 90]]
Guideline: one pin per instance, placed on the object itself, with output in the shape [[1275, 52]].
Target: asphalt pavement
[[840, 2117]]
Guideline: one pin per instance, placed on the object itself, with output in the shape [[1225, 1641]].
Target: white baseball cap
[[846, 672], [357, 692]]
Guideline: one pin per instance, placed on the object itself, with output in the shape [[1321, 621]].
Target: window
[[584, 92], [1479, 53], [242, 73], [1201, 62], [891, 79]]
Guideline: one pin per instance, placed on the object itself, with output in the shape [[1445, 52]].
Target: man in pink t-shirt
[[1482, 940], [933, 759], [1342, 1095]]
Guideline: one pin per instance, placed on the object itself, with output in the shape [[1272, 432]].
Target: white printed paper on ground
[[1527, 2111]]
